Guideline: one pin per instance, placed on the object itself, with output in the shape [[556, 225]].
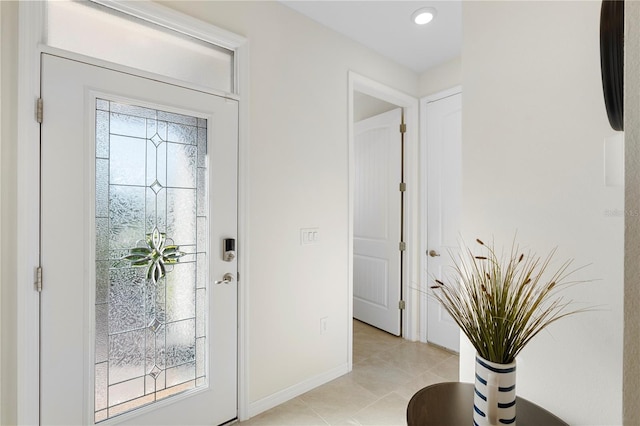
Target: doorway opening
[[369, 98], [378, 237]]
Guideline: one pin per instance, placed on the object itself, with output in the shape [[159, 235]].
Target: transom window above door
[[149, 46]]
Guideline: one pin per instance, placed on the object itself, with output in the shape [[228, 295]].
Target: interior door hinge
[[39, 279], [403, 128], [402, 246], [401, 305], [403, 186], [39, 108]]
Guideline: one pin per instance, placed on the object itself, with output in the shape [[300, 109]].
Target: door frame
[[424, 200], [31, 38], [360, 83]]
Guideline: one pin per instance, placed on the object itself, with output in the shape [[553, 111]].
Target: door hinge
[[402, 246], [39, 108], [403, 186], [39, 279], [403, 128], [401, 305]]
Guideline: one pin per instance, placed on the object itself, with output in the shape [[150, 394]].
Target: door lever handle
[[433, 253], [226, 279]]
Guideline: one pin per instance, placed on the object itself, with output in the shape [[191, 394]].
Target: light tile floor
[[387, 371]]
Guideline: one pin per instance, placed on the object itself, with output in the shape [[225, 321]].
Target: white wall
[[441, 77], [534, 125], [298, 178], [631, 388]]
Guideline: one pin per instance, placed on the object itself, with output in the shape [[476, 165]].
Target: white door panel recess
[[377, 221], [444, 187], [139, 189]]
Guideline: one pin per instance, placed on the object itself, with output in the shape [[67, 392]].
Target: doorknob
[[433, 253], [226, 279]]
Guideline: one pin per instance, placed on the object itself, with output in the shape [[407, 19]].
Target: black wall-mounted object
[[612, 60]]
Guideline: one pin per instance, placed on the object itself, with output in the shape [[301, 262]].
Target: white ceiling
[[386, 27]]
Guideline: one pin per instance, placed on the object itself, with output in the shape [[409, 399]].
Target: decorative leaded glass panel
[[151, 227]]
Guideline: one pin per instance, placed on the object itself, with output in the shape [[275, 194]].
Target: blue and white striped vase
[[494, 400]]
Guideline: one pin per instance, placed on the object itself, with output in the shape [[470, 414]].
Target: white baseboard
[[291, 392]]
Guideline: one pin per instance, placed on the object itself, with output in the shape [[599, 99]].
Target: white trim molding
[[440, 95], [360, 83], [242, 78], [1, 254], [30, 34], [298, 389], [31, 38]]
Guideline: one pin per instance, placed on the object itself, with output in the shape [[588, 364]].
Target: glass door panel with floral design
[[151, 176], [163, 197]]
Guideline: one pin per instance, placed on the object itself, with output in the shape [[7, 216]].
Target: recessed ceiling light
[[424, 15]]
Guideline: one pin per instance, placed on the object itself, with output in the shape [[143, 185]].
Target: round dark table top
[[451, 404]]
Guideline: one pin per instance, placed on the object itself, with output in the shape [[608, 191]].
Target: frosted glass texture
[[151, 212], [148, 47]]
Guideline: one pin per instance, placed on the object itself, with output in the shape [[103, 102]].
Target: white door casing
[[377, 221], [443, 122], [68, 221]]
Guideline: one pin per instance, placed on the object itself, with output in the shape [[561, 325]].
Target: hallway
[[387, 371]]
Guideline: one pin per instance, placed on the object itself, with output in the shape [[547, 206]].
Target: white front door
[[138, 191], [377, 221], [444, 196]]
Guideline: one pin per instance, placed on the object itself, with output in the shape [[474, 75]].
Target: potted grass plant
[[501, 302]]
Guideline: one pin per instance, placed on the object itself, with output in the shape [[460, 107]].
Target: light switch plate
[[309, 236]]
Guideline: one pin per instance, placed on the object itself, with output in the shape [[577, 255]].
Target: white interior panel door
[[139, 187], [444, 196], [377, 233]]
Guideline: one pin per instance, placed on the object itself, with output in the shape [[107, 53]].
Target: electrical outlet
[[324, 326]]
